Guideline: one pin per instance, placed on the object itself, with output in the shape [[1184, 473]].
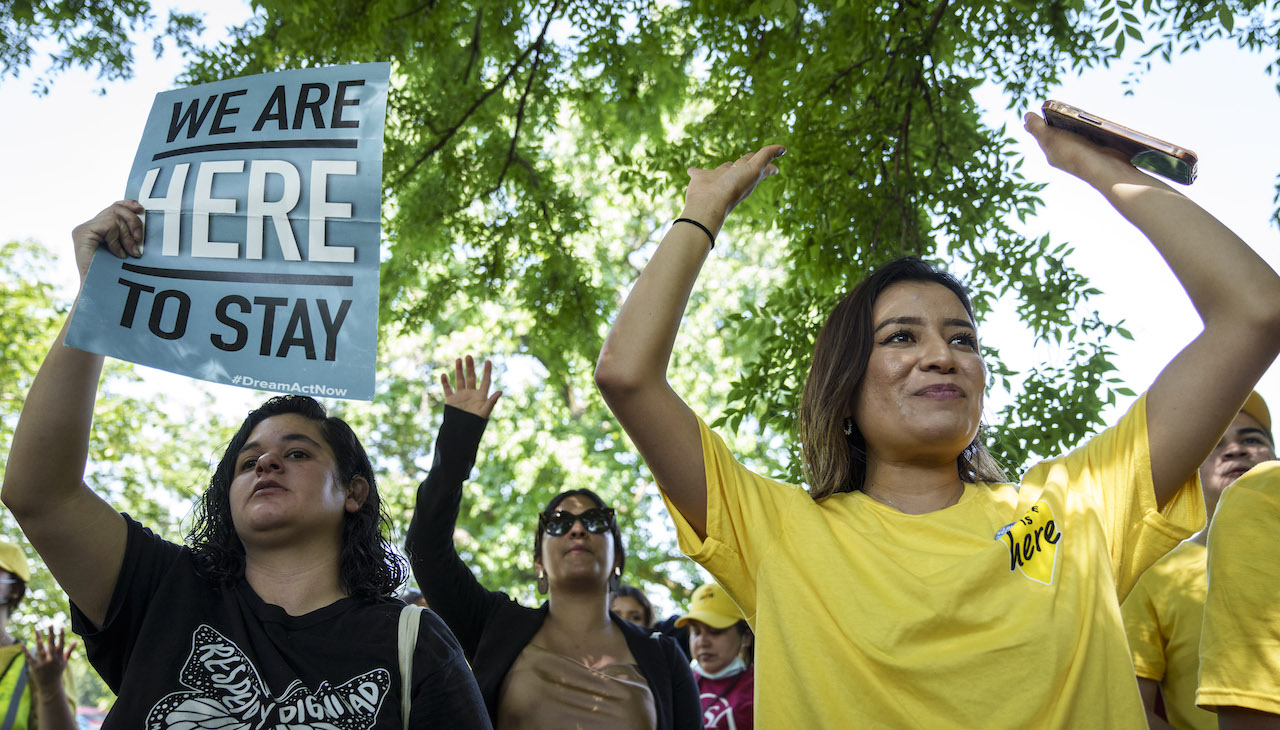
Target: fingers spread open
[[471, 373], [459, 377]]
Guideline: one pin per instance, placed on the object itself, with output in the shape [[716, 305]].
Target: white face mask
[[737, 666]]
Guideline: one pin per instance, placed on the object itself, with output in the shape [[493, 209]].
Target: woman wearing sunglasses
[[569, 662]]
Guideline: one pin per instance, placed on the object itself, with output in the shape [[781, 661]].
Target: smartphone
[[1144, 151]]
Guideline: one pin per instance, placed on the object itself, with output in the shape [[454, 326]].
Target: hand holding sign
[[262, 198], [117, 227]]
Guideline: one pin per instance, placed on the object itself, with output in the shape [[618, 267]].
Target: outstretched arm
[[632, 370], [79, 536], [450, 588], [1235, 292]]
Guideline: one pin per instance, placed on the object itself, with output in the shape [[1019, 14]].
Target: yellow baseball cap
[[14, 560], [713, 607], [1257, 408]]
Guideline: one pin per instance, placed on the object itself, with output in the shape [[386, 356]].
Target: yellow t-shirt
[[999, 611], [1162, 618], [1240, 645]]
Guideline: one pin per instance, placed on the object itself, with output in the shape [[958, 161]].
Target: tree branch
[[935, 22], [475, 45], [831, 87], [901, 166], [429, 5], [524, 99], [450, 132]]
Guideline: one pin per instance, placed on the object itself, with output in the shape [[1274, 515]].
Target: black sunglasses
[[596, 519]]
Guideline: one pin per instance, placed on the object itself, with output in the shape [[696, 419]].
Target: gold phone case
[[1143, 150]]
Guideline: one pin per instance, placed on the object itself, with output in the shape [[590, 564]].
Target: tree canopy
[[93, 35], [511, 121], [535, 152]]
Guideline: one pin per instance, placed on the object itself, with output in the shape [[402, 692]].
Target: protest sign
[[263, 228]]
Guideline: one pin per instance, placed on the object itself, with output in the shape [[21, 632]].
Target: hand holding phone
[[1144, 151]]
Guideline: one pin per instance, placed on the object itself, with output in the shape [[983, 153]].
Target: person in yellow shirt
[[36, 690], [1240, 645], [1163, 614], [911, 585]]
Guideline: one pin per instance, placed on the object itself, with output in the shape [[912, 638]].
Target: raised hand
[[1072, 153], [466, 394], [118, 227], [713, 193], [49, 660]]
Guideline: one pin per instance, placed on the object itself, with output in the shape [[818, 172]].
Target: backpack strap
[[407, 641]]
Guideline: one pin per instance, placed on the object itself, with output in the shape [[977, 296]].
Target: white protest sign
[[263, 229]]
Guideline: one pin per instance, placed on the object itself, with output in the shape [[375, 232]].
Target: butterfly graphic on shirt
[[228, 694]]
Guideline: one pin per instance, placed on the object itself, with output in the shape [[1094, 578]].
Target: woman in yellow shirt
[[910, 586]]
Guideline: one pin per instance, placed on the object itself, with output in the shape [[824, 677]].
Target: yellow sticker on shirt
[[1033, 543]]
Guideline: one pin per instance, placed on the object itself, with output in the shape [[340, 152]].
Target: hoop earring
[[971, 451]]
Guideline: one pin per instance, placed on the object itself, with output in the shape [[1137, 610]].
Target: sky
[[1217, 102], [68, 155]]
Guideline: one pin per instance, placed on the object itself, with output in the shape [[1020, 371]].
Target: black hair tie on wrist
[[704, 229]]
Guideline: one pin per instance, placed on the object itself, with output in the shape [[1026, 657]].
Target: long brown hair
[[833, 460]]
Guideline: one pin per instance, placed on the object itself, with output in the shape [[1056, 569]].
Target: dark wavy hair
[[637, 595], [368, 565], [619, 549], [833, 461]]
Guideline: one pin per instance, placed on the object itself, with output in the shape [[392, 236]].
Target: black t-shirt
[[180, 652]]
